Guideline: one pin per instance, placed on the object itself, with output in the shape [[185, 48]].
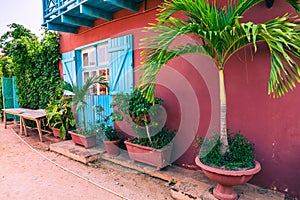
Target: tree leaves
[[221, 36]]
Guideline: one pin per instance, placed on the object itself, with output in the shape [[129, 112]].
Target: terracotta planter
[[112, 147], [226, 179], [159, 158], [55, 132], [87, 141]]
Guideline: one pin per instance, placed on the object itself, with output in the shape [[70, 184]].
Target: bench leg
[[38, 124], [23, 125]]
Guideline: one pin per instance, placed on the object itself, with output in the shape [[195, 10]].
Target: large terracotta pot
[[87, 141], [226, 179], [159, 158], [112, 147]]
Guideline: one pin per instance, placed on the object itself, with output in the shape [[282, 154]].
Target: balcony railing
[[69, 15]]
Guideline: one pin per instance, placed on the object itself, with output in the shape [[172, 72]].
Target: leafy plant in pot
[[82, 135], [153, 142], [221, 35], [60, 117], [111, 137]]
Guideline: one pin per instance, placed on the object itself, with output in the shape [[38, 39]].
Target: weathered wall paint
[[189, 89]]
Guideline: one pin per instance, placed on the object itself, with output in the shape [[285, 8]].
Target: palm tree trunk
[[223, 126], [82, 118], [147, 129]]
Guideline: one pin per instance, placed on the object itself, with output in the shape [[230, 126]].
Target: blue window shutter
[[69, 67], [120, 52]]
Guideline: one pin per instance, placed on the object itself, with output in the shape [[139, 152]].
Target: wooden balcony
[[69, 15]]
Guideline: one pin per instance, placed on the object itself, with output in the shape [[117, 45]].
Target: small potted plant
[[60, 117], [81, 135], [111, 137], [152, 143]]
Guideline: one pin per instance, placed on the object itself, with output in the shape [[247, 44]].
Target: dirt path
[[29, 174]]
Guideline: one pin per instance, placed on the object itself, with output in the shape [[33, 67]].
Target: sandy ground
[[28, 173]]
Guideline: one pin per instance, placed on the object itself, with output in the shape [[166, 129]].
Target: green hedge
[[34, 63]]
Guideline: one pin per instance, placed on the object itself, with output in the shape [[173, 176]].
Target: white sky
[[28, 13]]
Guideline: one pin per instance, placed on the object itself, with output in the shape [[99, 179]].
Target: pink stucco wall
[[189, 87]]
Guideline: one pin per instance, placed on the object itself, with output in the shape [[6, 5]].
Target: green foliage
[[221, 35], [106, 130], [78, 98], [139, 107], [145, 118], [159, 140], [239, 156], [59, 115], [34, 63]]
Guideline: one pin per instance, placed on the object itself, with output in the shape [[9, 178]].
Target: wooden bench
[[25, 113]]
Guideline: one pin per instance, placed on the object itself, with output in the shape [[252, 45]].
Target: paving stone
[[189, 189], [78, 153]]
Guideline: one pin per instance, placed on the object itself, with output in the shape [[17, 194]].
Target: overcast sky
[[26, 12]]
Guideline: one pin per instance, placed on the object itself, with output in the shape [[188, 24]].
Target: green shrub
[[239, 156]]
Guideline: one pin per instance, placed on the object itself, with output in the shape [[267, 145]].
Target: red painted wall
[[189, 87]]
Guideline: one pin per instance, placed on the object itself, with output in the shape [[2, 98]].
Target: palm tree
[[221, 35], [79, 93]]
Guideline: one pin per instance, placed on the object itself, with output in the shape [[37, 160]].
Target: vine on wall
[[34, 63]]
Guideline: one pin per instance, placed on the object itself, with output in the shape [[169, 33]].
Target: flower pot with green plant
[[110, 136], [60, 117], [81, 135], [152, 143], [220, 35]]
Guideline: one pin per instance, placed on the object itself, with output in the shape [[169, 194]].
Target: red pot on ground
[[226, 179], [55, 132], [159, 158], [112, 147], [87, 141]]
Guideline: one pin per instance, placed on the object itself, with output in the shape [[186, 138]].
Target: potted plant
[[152, 143], [82, 135], [221, 35], [60, 117], [111, 137]]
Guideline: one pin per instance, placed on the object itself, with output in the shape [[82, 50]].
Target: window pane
[[89, 57], [92, 58], [85, 76], [85, 58], [105, 74], [102, 53]]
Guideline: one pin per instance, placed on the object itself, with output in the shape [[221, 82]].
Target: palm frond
[[79, 93], [220, 35]]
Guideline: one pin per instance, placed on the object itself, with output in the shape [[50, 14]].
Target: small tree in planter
[[153, 142], [81, 135], [221, 35]]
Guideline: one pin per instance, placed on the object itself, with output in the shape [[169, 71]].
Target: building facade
[[103, 37]]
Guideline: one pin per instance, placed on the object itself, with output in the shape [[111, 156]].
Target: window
[[95, 63]]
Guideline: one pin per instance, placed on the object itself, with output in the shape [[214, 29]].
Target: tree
[[221, 35]]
